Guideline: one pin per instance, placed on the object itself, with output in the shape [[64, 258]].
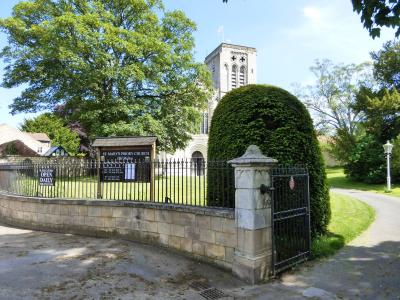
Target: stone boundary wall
[[239, 239], [204, 233]]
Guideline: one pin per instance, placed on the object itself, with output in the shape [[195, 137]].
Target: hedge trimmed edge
[[277, 122]]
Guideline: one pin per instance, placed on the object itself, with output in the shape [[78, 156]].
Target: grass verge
[[188, 190], [337, 179], [350, 217]]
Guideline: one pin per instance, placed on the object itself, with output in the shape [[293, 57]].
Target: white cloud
[[315, 23], [312, 13], [333, 31], [326, 30]]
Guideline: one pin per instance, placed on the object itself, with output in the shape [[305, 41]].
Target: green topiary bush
[[280, 125], [367, 162]]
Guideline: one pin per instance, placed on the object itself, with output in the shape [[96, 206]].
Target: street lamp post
[[388, 151]]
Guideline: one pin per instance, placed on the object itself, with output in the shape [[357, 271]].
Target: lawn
[[337, 178], [350, 217], [190, 190]]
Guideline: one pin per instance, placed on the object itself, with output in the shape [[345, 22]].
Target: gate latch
[[264, 189]]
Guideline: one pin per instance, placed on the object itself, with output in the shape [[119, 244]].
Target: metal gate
[[291, 217]]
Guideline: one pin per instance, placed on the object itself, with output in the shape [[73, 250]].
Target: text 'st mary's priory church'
[[231, 66]]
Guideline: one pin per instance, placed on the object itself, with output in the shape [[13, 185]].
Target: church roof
[[232, 46]]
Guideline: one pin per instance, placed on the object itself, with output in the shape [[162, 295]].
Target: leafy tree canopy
[[334, 92], [380, 110], [378, 13], [120, 67], [387, 65], [53, 126], [381, 120], [331, 101]]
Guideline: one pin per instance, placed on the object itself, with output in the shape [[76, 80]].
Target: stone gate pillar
[[253, 254]]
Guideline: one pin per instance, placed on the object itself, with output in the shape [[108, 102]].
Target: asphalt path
[[366, 268]]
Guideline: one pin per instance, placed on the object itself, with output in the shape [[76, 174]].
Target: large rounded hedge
[[277, 122]]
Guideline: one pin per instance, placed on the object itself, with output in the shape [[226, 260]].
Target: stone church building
[[231, 66]]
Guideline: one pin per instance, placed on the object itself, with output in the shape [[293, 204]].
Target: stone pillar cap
[[253, 155]]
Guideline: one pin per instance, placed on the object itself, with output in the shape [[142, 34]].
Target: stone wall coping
[[216, 212], [253, 156]]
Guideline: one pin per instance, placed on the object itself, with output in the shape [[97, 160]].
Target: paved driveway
[[367, 268], [39, 265]]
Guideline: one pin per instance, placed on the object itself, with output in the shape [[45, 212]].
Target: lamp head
[[388, 148]]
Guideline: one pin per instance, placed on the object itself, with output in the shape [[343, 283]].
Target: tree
[[378, 13], [331, 101], [379, 108], [53, 126], [366, 162], [75, 126], [277, 122], [381, 121], [396, 157], [380, 111], [387, 65], [120, 67]]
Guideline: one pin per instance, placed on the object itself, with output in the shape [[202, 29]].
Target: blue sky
[[289, 35]]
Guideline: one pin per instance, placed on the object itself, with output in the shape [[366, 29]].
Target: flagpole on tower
[[221, 31]]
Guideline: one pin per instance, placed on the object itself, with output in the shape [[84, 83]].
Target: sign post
[[152, 173], [98, 165]]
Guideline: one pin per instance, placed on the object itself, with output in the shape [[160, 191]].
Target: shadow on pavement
[[60, 266]]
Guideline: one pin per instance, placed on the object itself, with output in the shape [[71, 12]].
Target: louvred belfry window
[[234, 77], [242, 76]]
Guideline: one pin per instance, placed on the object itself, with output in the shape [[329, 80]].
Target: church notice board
[[126, 165], [126, 159]]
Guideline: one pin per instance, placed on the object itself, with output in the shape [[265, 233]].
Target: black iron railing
[[183, 182], [291, 216]]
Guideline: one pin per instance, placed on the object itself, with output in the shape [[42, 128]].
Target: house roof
[[10, 134], [124, 141], [39, 136]]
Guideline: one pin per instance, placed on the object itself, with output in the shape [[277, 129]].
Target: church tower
[[231, 66]]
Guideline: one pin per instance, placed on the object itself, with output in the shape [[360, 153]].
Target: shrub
[[280, 125], [367, 162], [396, 159]]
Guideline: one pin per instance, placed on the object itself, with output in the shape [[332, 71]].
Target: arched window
[[198, 163], [242, 76], [234, 77]]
